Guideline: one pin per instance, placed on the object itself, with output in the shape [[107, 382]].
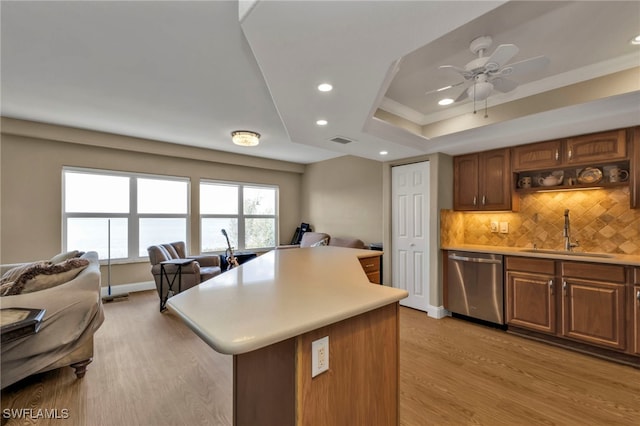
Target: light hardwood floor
[[149, 369]]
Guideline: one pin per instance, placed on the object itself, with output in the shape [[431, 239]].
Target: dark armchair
[[203, 268]]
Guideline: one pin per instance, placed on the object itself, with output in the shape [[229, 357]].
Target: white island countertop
[[279, 295]]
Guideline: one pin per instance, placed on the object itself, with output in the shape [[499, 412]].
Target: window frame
[[133, 217], [240, 216]]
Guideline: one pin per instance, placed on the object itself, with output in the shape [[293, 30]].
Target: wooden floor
[[149, 369]]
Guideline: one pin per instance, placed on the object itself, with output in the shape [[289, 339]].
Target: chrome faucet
[[566, 233]]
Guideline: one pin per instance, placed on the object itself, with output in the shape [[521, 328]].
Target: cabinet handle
[[638, 295], [484, 200], [475, 200], [570, 154], [551, 286], [564, 287], [557, 155]]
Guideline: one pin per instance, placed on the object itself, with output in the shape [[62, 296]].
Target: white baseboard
[[437, 312], [128, 288]]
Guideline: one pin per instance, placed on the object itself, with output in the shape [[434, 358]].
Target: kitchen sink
[[568, 253]]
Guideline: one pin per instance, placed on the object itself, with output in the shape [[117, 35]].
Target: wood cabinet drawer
[[370, 264], [530, 264], [371, 267], [594, 271]]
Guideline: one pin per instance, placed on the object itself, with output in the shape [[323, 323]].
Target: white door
[[410, 232]]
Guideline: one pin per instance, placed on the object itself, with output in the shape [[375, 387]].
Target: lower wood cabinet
[[575, 301], [593, 303], [371, 266], [530, 293], [636, 311]]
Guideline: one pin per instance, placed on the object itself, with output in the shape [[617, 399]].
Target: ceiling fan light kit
[[486, 73]]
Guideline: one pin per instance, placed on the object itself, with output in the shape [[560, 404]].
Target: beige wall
[[30, 178], [343, 197]]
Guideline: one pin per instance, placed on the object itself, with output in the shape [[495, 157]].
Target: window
[[121, 214], [248, 212]]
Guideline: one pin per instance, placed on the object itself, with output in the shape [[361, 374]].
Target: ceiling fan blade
[[501, 56], [503, 84], [527, 66], [466, 74], [464, 95], [442, 89]]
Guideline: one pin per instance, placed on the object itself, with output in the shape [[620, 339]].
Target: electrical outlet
[[504, 227], [319, 356], [494, 226]]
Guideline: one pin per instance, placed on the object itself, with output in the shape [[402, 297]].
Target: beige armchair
[[203, 268]]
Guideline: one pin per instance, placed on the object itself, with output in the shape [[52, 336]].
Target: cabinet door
[[465, 187], [531, 301], [537, 156], [636, 318], [635, 168], [593, 312], [495, 180], [597, 147]]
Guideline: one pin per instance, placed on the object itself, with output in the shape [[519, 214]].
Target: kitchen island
[[267, 312]]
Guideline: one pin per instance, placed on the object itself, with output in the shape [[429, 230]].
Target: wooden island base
[[273, 385]]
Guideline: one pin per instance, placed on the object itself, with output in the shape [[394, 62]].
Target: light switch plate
[[494, 226], [319, 356], [504, 227]]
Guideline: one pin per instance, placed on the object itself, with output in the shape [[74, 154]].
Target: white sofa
[[73, 314]]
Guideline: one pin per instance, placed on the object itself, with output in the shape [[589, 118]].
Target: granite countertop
[[279, 295], [611, 258]]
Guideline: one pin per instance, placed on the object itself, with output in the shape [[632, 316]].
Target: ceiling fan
[[487, 73]]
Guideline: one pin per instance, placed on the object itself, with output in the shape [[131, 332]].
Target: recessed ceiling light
[[635, 40], [325, 87], [322, 122], [445, 101], [384, 152]]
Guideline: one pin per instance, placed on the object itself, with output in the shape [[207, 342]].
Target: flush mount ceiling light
[[325, 87], [245, 138], [445, 101]]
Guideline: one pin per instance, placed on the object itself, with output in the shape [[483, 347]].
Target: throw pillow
[[61, 257], [43, 275]]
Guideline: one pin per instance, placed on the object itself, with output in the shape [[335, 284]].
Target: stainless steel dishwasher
[[476, 285]]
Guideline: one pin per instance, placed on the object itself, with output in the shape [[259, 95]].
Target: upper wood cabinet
[[542, 155], [597, 147], [589, 149], [635, 167], [482, 181]]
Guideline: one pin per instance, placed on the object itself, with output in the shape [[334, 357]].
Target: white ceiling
[[191, 72]]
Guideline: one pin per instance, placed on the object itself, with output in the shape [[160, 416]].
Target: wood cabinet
[[530, 293], [482, 181], [371, 267], [593, 303], [597, 147], [591, 306], [634, 135], [535, 156], [636, 311]]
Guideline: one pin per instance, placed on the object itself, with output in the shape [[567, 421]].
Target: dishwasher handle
[[474, 259]]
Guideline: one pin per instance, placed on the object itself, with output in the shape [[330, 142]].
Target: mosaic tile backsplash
[[601, 221]]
